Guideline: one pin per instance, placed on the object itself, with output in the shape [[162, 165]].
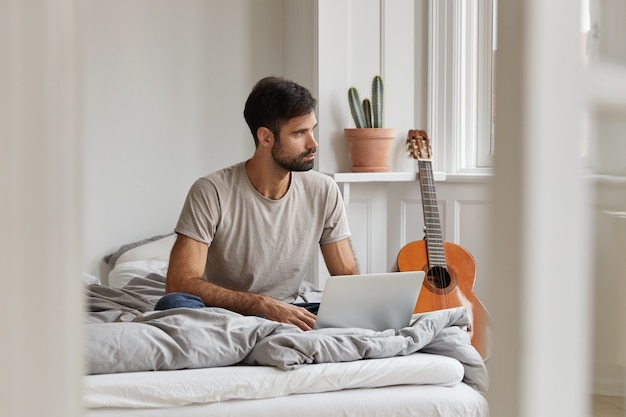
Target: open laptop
[[370, 301]]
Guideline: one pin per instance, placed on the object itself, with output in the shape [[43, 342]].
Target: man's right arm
[[186, 268]]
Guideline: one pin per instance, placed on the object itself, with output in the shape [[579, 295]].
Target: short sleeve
[[201, 212], [336, 225]]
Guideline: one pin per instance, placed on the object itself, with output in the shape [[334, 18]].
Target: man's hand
[[287, 313]]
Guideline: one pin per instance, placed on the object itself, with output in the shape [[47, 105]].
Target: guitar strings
[[436, 271]]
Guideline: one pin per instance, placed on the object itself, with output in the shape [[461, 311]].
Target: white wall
[[165, 86]]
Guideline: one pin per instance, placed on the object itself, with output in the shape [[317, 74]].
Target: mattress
[[398, 401]]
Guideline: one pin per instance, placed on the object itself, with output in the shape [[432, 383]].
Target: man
[[247, 233]]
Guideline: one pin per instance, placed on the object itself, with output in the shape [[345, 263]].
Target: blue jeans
[[181, 299]]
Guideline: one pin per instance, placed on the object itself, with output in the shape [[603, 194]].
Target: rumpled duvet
[[124, 334]]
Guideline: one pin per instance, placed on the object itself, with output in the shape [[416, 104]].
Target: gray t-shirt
[[260, 245]]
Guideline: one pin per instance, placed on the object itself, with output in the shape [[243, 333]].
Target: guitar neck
[[434, 236]]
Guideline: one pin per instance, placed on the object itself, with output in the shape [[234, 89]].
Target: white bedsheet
[[197, 386]]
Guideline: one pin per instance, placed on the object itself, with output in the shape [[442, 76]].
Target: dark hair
[[273, 101]]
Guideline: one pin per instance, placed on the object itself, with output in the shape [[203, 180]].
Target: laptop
[[370, 301]]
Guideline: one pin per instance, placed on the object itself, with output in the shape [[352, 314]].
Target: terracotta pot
[[369, 148]]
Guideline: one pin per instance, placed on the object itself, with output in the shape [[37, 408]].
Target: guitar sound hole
[[439, 277]]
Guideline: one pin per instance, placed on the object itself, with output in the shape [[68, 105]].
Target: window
[[461, 69]]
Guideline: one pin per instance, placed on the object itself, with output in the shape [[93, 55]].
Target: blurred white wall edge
[[40, 214], [541, 359]]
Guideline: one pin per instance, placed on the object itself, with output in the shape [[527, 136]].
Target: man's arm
[[186, 267], [339, 258]]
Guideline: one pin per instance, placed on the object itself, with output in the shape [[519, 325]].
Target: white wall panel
[[366, 39], [412, 221], [609, 277], [367, 213], [610, 291], [402, 95], [360, 215], [609, 144], [471, 232], [300, 56], [334, 78]]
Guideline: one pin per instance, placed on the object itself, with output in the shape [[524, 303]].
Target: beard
[[292, 163]]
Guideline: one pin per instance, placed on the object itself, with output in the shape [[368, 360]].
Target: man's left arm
[[339, 258]]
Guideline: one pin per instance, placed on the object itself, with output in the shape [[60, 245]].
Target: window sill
[[345, 179], [353, 177]]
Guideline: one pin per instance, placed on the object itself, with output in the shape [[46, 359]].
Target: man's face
[[295, 149]]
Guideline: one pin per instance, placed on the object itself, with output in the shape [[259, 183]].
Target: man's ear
[[265, 136]]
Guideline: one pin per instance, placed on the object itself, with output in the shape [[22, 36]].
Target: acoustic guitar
[[450, 269]]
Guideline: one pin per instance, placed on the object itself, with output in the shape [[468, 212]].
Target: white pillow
[[90, 279], [123, 272], [140, 259]]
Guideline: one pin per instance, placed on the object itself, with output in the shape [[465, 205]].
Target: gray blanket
[[124, 334]]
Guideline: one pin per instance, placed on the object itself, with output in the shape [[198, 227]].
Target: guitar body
[[449, 287]]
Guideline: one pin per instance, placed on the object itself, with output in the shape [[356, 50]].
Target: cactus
[[368, 113], [355, 107], [377, 101]]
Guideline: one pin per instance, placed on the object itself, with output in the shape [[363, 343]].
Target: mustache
[[309, 152]]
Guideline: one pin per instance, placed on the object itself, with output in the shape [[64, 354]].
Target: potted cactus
[[369, 144]]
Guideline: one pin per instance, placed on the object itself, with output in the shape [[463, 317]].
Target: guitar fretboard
[[434, 237]]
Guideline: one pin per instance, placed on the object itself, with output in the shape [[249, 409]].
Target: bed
[[212, 362]]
